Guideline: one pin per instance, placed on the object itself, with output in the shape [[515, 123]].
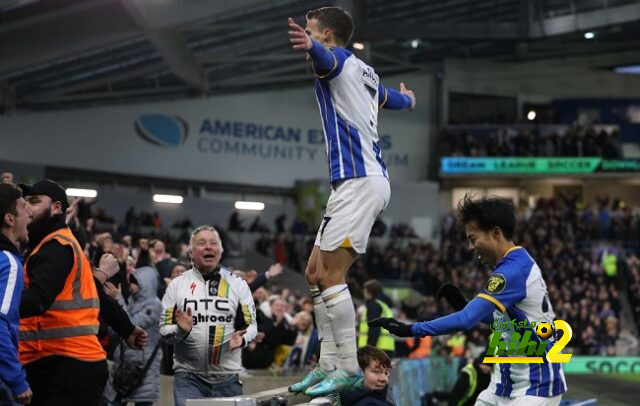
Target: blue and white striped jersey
[[517, 289], [349, 97], [11, 286]]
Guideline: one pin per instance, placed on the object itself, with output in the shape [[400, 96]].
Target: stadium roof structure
[[72, 53]]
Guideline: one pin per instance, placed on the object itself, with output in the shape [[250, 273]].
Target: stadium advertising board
[[592, 365], [536, 166], [267, 139]]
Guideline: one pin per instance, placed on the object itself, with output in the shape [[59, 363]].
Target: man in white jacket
[[208, 314]]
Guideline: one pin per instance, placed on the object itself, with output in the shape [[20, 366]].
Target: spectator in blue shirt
[[14, 217]]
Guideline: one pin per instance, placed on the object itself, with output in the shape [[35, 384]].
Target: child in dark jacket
[[376, 365]]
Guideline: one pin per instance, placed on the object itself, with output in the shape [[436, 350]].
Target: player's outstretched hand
[[300, 40], [394, 326], [412, 96], [453, 296]]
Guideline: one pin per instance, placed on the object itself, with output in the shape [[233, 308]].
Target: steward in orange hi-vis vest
[[59, 307], [70, 325]]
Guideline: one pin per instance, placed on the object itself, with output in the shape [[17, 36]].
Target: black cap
[[49, 188]]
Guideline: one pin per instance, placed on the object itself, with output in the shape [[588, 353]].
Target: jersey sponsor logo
[[211, 318], [617, 366], [192, 287], [513, 352], [496, 283], [201, 308], [217, 303]]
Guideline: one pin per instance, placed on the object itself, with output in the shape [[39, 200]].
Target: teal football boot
[[335, 382], [313, 377]]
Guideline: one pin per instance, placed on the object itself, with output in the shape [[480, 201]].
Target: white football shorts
[[351, 211]]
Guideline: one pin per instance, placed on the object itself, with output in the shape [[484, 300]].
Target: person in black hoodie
[[376, 365]]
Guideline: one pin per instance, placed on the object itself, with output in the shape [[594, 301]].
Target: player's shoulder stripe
[[514, 249], [340, 56], [493, 300], [518, 257], [344, 52]]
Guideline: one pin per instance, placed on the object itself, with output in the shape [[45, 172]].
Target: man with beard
[[64, 361], [14, 217]]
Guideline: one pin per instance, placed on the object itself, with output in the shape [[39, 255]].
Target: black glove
[[393, 326], [452, 294]]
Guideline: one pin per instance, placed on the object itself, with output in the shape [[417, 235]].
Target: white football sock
[[342, 319], [328, 350]]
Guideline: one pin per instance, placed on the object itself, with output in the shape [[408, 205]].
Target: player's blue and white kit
[[518, 291], [515, 290], [349, 94], [348, 98]]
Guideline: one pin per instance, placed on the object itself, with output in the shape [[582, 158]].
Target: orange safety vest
[[69, 326], [423, 350]]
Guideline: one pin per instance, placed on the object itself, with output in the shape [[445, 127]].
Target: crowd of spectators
[[632, 274], [561, 233], [504, 141], [287, 336], [150, 259], [567, 238]]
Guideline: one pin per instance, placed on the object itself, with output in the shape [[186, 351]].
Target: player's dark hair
[[337, 20], [369, 354], [9, 195], [374, 287], [488, 212]]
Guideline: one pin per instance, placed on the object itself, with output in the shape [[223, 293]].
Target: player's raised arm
[[325, 62], [392, 99], [300, 40]]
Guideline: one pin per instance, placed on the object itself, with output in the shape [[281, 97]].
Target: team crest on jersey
[[496, 283]]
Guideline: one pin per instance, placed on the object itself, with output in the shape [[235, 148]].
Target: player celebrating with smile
[[515, 290], [349, 94]]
